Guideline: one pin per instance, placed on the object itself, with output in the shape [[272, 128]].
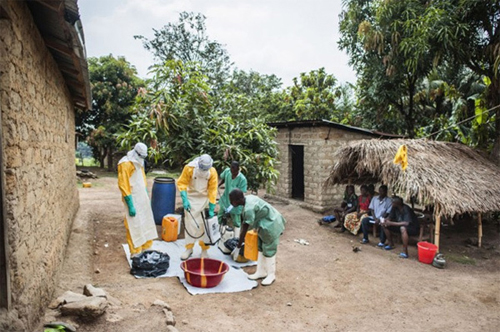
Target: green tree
[[248, 95], [187, 40], [177, 112], [311, 97], [171, 112], [250, 142], [114, 84], [391, 59], [468, 33]]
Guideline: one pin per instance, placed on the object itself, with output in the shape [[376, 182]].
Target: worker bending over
[[259, 215], [198, 188]]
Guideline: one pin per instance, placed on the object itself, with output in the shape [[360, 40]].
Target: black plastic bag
[[150, 263]]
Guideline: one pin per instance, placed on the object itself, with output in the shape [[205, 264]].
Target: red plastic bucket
[[204, 272], [426, 252]]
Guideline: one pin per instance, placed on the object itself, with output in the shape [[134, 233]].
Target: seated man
[[402, 220], [380, 206]]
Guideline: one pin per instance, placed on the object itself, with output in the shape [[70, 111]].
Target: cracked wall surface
[[38, 137]]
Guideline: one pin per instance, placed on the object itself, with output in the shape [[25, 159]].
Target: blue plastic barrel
[[163, 198]]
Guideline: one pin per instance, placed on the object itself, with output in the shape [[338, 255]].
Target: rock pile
[[91, 304]]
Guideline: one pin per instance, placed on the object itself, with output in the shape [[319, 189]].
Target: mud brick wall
[[320, 143], [38, 133]]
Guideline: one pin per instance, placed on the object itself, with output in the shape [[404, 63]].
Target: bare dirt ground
[[321, 287]]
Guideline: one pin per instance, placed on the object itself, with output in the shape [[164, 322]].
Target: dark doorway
[[297, 152]]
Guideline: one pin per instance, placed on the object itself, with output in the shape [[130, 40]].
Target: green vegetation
[[114, 84], [461, 259], [424, 69], [86, 162]]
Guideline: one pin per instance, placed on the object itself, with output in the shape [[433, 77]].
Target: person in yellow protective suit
[[139, 221], [198, 188]]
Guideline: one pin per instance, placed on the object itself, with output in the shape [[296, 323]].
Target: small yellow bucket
[[86, 185], [251, 245], [169, 228]]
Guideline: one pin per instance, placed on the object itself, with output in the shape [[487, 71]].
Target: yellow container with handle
[[251, 245], [169, 227]]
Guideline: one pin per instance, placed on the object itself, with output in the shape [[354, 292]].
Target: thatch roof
[[453, 177]]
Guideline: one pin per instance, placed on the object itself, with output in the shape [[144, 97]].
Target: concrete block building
[[306, 149], [43, 80]]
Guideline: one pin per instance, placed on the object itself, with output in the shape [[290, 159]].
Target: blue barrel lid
[[164, 180]]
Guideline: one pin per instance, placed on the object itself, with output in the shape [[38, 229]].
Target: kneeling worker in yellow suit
[[259, 215], [139, 220]]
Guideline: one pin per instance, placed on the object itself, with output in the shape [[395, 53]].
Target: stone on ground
[[162, 304], [89, 307], [170, 317], [90, 290], [67, 297]]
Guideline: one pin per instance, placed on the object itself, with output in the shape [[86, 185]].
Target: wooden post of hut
[[437, 229], [479, 229]]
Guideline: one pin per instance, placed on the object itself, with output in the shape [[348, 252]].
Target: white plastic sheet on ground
[[235, 279]]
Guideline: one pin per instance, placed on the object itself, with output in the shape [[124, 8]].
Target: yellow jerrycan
[[251, 245], [169, 228]]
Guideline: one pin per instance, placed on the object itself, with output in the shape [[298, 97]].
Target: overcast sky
[[281, 37]]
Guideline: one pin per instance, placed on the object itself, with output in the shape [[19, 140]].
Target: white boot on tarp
[[271, 270], [261, 268], [204, 254], [186, 254]]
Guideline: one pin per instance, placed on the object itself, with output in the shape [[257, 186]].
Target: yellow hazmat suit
[[198, 188], [139, 221]]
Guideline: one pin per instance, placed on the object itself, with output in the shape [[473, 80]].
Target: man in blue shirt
[[380, 206]]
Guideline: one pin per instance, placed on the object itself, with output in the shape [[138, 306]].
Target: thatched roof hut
[[453, 177]]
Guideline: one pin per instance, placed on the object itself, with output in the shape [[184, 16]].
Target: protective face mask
[[142, 156], [204, 168]]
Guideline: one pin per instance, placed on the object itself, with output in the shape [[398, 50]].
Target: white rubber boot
[[237, 232], [186, 254], [261, 268], [204, 254], [271, 270]]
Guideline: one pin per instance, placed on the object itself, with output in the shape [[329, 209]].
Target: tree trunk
[[102, 155], [409, 118], [110, 158]]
